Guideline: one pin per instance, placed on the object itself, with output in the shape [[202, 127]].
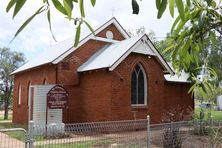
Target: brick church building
[[109, 76]]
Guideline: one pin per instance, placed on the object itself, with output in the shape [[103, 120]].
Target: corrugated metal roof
[[182, 77], [51, 54], [108, 55], [60, 50]]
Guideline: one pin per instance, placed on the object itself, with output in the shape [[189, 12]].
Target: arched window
[[138, 86], [28, 89], [45, 81], [19, 94]]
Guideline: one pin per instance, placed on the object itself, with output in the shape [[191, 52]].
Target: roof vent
[[109, 35]]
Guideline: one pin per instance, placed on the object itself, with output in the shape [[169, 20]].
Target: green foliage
[[81, 6], [18, 5], [171, 7], [206, 89], [161, 8], [163, 46], [93, 2], [192, 32], [41, 9], [65, 8], [215, 115], [59, 7], [77, 37], [49, 22], [135, 7]]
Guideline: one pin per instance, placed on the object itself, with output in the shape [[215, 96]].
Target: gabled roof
[[111, 56], [61, 50]]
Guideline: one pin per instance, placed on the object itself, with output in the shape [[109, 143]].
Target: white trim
[[90, 36], [105, 39], [120, 28], [145, 84], [162, 61], [19, 94], [112, 67], [29, 85], [149, 44], [30, 101]]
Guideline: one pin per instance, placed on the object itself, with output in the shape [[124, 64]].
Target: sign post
[[57, 98]]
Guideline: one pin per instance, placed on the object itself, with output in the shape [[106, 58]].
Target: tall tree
[[161, 45], [214, 55], [9, 61]]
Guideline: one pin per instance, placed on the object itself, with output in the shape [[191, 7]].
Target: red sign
[[57, 97]]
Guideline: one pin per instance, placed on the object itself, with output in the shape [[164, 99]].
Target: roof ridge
[[66, 48]]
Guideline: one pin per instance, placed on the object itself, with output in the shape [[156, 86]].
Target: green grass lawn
[[2, 117], [20, 135], [216, 115], [5, 125]]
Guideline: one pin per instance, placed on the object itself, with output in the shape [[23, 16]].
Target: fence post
[[148, 132], [30, 134]]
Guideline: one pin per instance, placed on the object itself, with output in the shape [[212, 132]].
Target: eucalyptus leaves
[[66, 8]]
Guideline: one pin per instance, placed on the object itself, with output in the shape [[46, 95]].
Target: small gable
[[111, 32], [112, 55]]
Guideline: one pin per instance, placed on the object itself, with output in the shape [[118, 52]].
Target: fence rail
[[116, 134]]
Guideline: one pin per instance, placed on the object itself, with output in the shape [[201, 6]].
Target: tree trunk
[[6, 107], [6, 100], [6, 110]]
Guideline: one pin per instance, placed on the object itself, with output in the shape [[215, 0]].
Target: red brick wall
[[121, 93], [96, 96], [68, 77], [75, 83], [35, 76], [116, 34], [160, 93], [177, 98], [101, 95]]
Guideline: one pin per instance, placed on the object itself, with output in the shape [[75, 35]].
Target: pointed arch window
[[19, 94], [45, 81], [28, 89], [138, 86]]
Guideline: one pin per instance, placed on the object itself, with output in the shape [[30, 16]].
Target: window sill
[[139, 106]]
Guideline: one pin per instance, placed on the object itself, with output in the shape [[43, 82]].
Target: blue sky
[[36, 37]]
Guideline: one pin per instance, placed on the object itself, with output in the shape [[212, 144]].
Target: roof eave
[[91, 35]]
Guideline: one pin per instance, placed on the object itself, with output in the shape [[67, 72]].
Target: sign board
[[57, 97]]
